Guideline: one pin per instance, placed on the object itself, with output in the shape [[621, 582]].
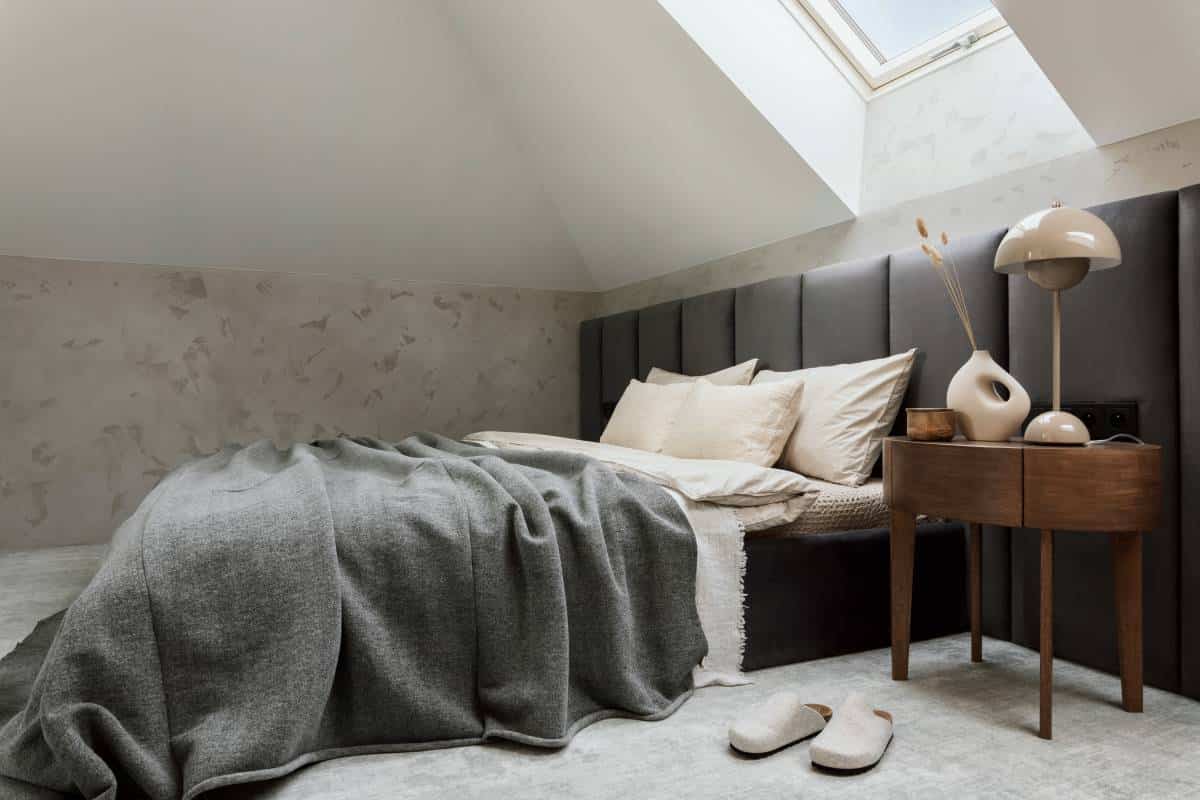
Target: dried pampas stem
[[948, 273]]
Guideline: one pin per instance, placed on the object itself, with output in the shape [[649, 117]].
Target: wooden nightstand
[[1115, 488]]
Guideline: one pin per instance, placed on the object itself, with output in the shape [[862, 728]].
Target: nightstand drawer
[[954, 480], [1107, 488]]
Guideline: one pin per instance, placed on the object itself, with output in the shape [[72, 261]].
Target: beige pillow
[[735, 423], [644, 415], [737, 375], [845, 412]]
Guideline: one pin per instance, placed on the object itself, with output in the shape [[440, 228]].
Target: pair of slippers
[[850, 740]]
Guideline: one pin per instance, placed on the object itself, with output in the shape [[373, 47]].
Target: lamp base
[[1057, 427]]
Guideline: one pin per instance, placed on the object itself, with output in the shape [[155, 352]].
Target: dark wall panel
[[707, 326], [591, 411], [844, 313], [660, 338], [767, 323], [923, 317], [1120, 342], [1189, 452], [618, 342]]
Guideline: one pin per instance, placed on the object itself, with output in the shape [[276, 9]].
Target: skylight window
[[887, 39]]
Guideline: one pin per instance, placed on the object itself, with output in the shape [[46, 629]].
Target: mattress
[[836, 508]]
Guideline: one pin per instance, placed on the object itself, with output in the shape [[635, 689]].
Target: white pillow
[[845, 412], [645, 415], [737, 375], [735, 423]]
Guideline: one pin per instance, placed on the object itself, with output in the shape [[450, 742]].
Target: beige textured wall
[[111, 374], [1165, 159]]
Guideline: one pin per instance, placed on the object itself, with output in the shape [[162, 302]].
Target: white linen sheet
[[772, 496]]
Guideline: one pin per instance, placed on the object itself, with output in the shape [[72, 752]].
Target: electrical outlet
[[1102, 419]]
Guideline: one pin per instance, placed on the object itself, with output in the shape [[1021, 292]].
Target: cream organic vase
[[982, 414]]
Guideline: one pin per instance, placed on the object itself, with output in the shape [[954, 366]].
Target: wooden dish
[[931, 424]]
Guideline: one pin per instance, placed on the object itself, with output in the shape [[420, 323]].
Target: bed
[[264, 609]]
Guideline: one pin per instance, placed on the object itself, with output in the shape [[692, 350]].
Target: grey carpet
[[962, 730]]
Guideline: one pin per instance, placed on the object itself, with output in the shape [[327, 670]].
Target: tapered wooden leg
[[1127, 568], [903, 544], [976, 591], [1046, 644]]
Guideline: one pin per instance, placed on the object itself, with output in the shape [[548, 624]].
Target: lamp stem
[[1056, 350]]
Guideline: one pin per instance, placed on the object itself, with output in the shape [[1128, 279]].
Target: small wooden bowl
[[931, 424]]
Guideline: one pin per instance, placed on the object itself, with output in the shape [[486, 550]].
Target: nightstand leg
[[1127, 568], [1046, 645], [976, 591], [903, 544]]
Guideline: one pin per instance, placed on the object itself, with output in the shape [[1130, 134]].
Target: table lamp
[[1056, 248]]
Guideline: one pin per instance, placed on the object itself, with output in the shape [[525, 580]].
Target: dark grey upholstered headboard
[[1131, 333]]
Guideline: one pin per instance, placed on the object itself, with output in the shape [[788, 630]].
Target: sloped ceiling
[[1125, 68], [324, 136], [531, 143]]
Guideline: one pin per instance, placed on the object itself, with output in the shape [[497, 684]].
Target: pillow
[[644, 415], [735, 423], [737, 375], [845, 411]]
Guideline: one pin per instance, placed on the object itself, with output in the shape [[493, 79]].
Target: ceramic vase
[[983, 415]]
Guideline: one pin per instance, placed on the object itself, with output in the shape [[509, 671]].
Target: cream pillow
[[737, 375], [735, 423], [845, 412], [644, 415]]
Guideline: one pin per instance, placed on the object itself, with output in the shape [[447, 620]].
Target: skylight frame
[[854, 45]]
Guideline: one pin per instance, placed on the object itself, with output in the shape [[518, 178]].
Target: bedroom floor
[[962, 730]]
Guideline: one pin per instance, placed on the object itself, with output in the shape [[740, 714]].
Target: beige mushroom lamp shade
[[1073, 241], [1056, 248]]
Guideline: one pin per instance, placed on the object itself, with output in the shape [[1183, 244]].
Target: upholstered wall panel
[[1130, 333], [922, 317], [767, 323], [591, 411], [707, 326], [844, 313], [659, 338], [618, 343], [1120, 342], [1189, 450]]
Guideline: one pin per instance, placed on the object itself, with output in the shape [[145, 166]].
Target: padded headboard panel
[[659, 342], [766, 323], [1189, 438], [707, 331], [844, 313], [1131, 333], [1120, 341]]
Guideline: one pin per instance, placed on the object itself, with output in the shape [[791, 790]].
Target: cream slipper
[[778, 722], [855, 739]]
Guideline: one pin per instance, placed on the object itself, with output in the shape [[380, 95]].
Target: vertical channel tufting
[[591, 410], [707, 327], [659, 338], [1189, 444], [922, 317], [767, 323], [1120, 341], [618, 343], [844, 313]]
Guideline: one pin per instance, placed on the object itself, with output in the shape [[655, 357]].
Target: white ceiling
[[525, 142], [325, 136], [654, 159], [531, 143], [1125, 68]]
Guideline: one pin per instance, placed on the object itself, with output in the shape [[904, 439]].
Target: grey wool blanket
[[265, 609]]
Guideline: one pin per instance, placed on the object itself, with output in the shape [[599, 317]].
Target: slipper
[[856, 738], [778, 722]]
